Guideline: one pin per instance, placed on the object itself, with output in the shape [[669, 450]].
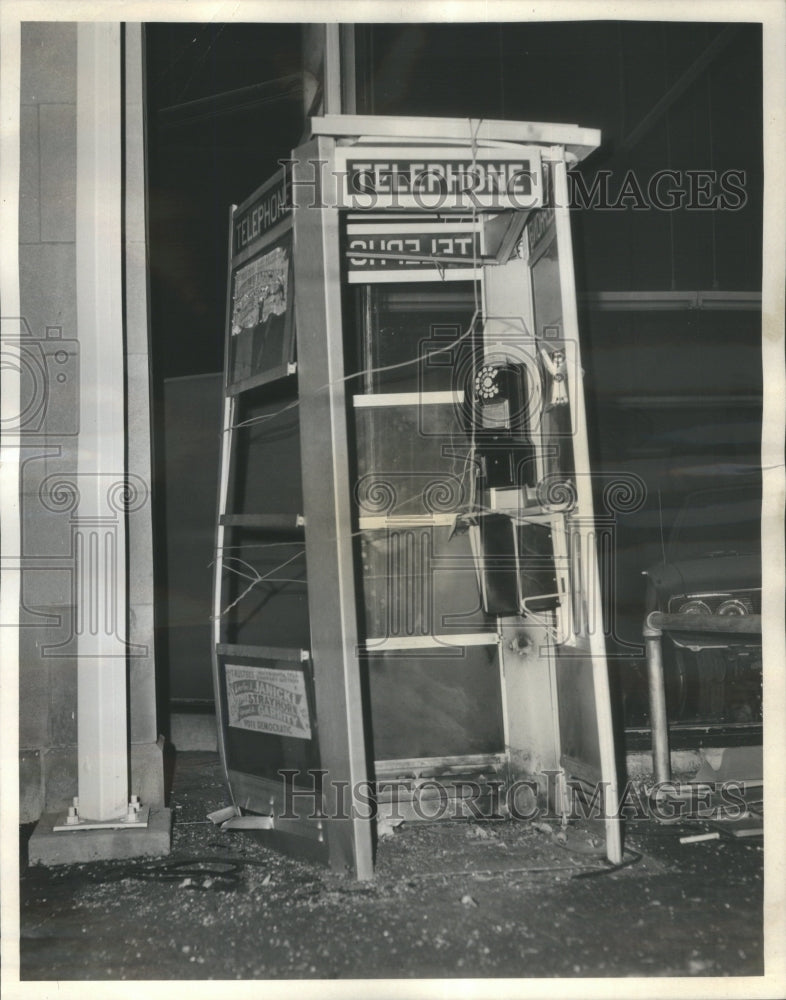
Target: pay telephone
[[501, 391], [501, 395]]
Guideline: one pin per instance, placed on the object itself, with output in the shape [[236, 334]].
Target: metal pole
[[661, 758]]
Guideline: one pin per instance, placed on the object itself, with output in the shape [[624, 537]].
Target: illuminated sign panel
[[438, 179], [415, 252]]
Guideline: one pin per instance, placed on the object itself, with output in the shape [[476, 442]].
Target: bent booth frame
[[406, 593]]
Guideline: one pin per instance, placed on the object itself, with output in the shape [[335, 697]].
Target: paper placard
[[265, 700]]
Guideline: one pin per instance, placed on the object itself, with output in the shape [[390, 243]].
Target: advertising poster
[[262, 700]]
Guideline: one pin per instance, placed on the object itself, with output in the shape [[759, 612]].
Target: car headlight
[[732, 607], [694, 607]]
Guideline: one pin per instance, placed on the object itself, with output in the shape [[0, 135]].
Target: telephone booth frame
[[332, 265]]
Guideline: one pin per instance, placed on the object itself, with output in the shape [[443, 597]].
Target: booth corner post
[[327, 500]]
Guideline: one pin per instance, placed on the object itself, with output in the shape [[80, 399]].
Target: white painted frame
[[102, 702], [580, 142]]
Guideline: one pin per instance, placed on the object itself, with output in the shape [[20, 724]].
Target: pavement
[[452, 900]]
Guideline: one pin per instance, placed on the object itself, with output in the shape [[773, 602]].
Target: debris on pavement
[[494, 899]]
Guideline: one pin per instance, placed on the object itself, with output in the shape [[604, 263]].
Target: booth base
[[48, 847]]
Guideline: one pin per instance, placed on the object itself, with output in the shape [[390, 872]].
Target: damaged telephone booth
[[407, 617]]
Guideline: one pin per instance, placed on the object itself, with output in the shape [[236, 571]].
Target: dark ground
[[456, 899]]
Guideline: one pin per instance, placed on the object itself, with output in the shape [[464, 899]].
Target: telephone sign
[[438, 180]]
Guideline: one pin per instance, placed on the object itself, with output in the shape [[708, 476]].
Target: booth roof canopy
[[380, 128]]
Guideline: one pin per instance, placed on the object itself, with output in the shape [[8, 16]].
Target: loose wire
[[538, 618], [367, 371], [258, 578], [633, 858]]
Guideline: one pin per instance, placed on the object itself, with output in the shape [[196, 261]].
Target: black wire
[[201, 59], [634, 858], [216, 873]]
